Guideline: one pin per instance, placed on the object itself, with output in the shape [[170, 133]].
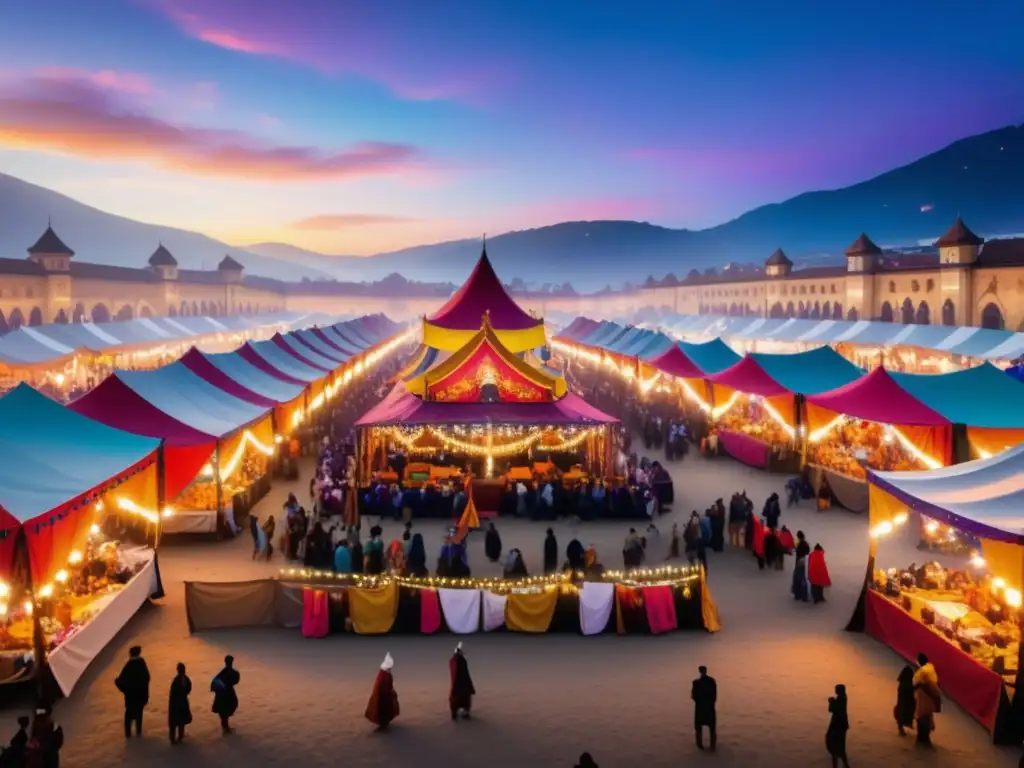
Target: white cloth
[[461, 608], [596, 601], [494, 611]]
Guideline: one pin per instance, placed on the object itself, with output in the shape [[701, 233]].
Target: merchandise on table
[[977, 613], [201, 495], [855, 444], [749, 416]]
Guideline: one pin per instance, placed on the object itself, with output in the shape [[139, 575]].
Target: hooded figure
[[905, 700], [179, 714], [550, 552], [492, 544], [133, 683], [460, 696], [817, 574], [382, 707]]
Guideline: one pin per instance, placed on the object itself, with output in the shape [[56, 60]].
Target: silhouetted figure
[[838, 725], [905, 704], [704, 694], [225, 700], [45, 740], [179, 713], [550, 552], [14, 755], [492, 543], [461, 693], [586, 761], [133, 683]]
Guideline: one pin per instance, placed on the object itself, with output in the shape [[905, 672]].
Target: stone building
[[969, 282]]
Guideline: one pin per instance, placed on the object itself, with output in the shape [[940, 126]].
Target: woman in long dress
[[801, 587], [838, 725]]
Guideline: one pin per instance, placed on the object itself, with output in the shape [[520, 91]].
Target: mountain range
[[977, 177]]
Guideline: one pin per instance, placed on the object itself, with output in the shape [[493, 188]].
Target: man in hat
[[460, 695], [133, 683], [383, 705]]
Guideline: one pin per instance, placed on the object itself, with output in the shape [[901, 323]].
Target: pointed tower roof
[[863, 246], [958, 234], [778, 259], [228, 263], [50, 245], [162, 258], [482, 293]]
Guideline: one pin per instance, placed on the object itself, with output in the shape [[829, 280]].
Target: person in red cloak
[[787, 541], [817, 574], [758, 543], [383, 705], [460, 695]]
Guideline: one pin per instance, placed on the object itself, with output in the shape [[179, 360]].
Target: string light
[[886, 527], [912, 449], [248, 438], [822, 432], [457, 445], [720, 410]]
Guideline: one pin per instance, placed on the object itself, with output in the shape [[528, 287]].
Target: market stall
[[962, 607], [79, 514]]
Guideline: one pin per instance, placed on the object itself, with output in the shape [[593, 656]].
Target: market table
[[744, 448]]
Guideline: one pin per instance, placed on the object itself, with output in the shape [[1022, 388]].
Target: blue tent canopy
[[191, 400], [349, 337], [809, 373], [354, 330], [984, 497], [284, 362], [979, 397], [308, 355], [655, 345], [253, 379], [321, 347], [53, 455], [710, 356]]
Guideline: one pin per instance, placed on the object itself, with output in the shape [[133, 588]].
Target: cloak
[[758, 540], [817, 570], [787, 541], [383, 705], [462, 691]]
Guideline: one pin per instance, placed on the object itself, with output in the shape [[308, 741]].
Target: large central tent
[[458, 320]]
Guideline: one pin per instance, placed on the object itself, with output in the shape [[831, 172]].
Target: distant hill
[[977, 177], [103, 238]]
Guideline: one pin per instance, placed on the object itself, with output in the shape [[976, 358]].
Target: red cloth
[[382, 707], [817, 569], [315, 618], [786, 540], [972, 686], [660, 604], [758, 543], [744, 448], [430, 612]]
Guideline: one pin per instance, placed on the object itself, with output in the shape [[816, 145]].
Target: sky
[[354, 127]]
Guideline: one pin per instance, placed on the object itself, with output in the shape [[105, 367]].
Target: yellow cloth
[[449, 340], [1004, 560], [373, 609], [708, 609], [470, 520], [530, 612], [926, 675]]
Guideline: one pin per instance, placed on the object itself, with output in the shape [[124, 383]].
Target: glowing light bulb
[[28, 607], [46, 591], [94, 530], [901, 518], [977, 561], [61, 576], [932, 527], [1013, 597], [3, 609], [882, 529], [4, 589], [998, 583], [75, 557], [168, 512]]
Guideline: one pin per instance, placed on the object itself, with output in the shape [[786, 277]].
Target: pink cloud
[[346, 220], [124, 82], [79, 118]]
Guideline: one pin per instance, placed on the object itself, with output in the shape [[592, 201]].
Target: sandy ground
[[541, 699]]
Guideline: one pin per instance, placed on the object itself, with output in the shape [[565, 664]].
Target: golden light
[[4, 590], [28, 607], [248, 438], [61, 576], [977, 561], [75, 557], [278, 439], [901, 518], [94, 530], [60, 379], [818, 434], [884, 528], [131, 507], [99, 505], [3, 609], [168, 512], [998, 583], [1013, 597], [932, 527], [46, 592]]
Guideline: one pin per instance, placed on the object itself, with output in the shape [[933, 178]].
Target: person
[[575, 555], [905, 704], [179, 714], [801, 588], [14, 755], [416, 562], [460, 695], [133, 683], [772, 511], [268, 537], [382, 708], [225, 700], [673, 546], [373, 554], [737, 520], [550, 552], [817, 574], [704, 694], [927, 699], [254, 529], [492, 543], [586, 761], [45, 740], [838, 725], [342, 558]]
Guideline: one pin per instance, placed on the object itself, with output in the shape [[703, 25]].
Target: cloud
[[77, 117], [113, 80], [346, 220]]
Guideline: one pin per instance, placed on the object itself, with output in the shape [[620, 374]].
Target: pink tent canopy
[[196, 362], [335, 342], [675, 362], [877, 397], [749, 377], [302, 353], [481, 293]]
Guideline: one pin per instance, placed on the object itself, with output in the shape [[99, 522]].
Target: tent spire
[[483, 252]]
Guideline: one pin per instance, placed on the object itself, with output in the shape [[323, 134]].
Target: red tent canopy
[[675, 362], [749, 377], [877, 397], [482, 293]]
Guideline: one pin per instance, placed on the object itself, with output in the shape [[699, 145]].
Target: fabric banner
[[430, 612], [744, 448], [530, 612], [494, 611], [597, 599], [988, 442], [373, 609], [315, 622], [660, 604], [851, 493], [968, 683], [70, 659], [212, 605], [461, 608], [708, 609], [190, 521]]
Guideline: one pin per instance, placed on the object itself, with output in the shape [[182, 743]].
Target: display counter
[[852, 493], [190, 521], [744, 448]]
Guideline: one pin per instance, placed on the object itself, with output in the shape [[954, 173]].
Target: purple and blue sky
[[355, 127]]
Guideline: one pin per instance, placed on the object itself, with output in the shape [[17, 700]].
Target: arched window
[[886, 314], [801, 310], [992, 317], [734, 309], [35, 317], [4, 328], [61, 318], [924, 315], [777, 312], [125, 313], [79, 314], [837, 311], [816, 311], [100, 314], [790, 309], [851, 315], [908, 312], [145, 311], [948, 312], [204, 310], [915, 287], [172, 311], [929, 285]]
